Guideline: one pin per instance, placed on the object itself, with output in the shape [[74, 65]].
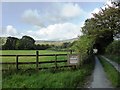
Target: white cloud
[[32, 17], [56, 32], [96, 10], [70, 10], [10, 30], [62, 13]]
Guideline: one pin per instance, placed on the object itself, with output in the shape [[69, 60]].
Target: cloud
[[96, 10], [32, 17], [56, 32], [59, 31], [71, 10], [9, 30], [64, 12]]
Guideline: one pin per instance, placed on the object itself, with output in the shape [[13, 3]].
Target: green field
[[60, 78], [32, 59]]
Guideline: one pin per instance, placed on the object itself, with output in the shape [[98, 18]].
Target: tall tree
[[104, 26], [26, 42]]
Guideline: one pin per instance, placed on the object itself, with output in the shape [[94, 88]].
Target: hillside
[[55, 42]]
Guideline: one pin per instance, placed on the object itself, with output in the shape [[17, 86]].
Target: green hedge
[[113, 48]]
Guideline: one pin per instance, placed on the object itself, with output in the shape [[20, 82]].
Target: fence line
[[37, 60]]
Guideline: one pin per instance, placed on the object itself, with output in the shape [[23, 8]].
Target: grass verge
[[112, 73], [115, 58], [47, 79]]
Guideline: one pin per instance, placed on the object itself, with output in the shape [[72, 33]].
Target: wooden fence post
[[37, 59], [55, 61], [17, 62]]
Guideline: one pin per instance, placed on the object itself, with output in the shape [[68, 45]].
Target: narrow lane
[[99, 79], [116, 65]]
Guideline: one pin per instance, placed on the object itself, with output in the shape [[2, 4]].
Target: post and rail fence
[[17, 63]]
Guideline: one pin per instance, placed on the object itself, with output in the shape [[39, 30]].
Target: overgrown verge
[[47, 79], [112, 73], [113, 50], [115, 58]]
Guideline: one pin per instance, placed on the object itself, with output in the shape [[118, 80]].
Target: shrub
[[84, 46], [113, 48]]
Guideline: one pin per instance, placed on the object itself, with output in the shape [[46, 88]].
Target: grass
[[31, 78], [112, 73], [31, 52], [65, 78], [115, 58], [31, 59]]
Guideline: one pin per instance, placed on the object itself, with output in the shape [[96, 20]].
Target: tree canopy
[[104, 26], [26, 42], [12, 43]]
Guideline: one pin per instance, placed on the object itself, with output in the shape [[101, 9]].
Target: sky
[[46, 20]]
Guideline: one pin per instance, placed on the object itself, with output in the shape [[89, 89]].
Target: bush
[[84, 46], [113, 48]]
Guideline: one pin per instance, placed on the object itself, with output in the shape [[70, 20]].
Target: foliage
[[113, 48], [13, 43], [103, 26], [115, 58], [66, 45], [26, 43], [84, 46], [10, 43], [42, 46]]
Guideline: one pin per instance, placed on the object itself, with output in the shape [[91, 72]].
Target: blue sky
[[46, 20]]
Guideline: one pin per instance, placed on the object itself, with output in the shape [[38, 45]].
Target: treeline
[[28, 43]]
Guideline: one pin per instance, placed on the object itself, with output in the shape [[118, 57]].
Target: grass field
[[32, 59], [112, 73], [60, 78]]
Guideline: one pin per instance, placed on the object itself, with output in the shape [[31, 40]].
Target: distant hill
[[55, 42]]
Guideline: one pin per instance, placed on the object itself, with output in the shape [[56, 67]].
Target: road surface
[[99, 78]]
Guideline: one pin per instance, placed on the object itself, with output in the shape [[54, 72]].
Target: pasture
[[50, 78], [32, 59]]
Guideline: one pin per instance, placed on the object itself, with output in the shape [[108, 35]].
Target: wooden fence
[[37, 60]]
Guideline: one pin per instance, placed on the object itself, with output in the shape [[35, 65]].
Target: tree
[[104, 26], [113, 48], [84, 46], [26, 43], [10, 43], [65, 44]]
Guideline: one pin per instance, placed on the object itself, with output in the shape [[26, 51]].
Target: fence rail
[[17, 63], [33, 62], [34, 55]]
